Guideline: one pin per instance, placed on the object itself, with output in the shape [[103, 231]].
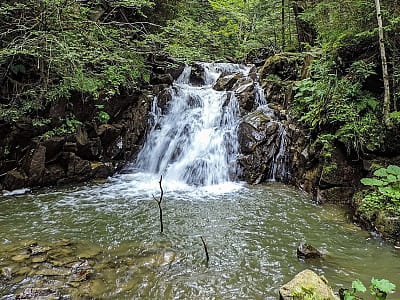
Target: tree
[[386, 99]]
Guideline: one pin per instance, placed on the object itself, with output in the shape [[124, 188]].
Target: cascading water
[[196, 140]]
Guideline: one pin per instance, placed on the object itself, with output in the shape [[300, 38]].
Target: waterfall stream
[[194, 139]]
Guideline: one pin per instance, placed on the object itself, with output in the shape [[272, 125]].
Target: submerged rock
[[307, 285], [306, 251]]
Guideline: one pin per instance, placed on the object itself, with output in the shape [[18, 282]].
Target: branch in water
[[159, 205], [205, 249]]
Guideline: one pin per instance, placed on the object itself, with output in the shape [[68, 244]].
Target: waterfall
[[193, 138], [195, 141]]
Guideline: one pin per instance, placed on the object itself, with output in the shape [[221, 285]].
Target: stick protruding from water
[[205, 249], [159, 205]]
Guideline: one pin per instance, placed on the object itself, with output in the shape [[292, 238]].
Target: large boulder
[[307, 285], [261, 139]]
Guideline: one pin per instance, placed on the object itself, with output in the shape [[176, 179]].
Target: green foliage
[[52, 49], [103, 117], [335, 20], [339, 107], [356, 287], [385, 193], [216, 29], [378, 288]]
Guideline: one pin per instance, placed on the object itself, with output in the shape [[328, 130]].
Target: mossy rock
[[307, 285]]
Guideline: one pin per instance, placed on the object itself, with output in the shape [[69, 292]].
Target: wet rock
[[197, 75], [34, 163], [14, 179], [53, 147], [162, 79], [246, 93], [37, 249], [76, 165], [307, 285], [5, 273], [101, 170], [81, 136], [20, 257], [226, 82], [260, 139], [306, 251], [53, 173], [92, 150], [39, 259]]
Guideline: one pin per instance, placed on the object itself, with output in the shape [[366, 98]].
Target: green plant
[[386, 181], [103, 117], [338, 107], [379, 288], [356, 286]]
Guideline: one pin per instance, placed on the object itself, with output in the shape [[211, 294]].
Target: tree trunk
[[306, 33], [386, 99], [283, 24]]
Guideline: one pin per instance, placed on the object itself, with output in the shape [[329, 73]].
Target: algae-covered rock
[[307, 285]]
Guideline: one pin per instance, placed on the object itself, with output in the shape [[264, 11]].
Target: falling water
[[195, 141]]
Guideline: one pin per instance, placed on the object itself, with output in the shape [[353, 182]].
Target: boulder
[[305, 251], [261, 137], [226, 81], [307, 285], [197, 75], [14, 180], [34, 163], [287, 66]]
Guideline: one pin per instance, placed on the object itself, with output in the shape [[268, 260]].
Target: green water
[[252, 234]]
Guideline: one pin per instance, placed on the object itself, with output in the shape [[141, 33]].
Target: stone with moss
[[307, 285]]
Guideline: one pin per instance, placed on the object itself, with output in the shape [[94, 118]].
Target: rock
[[36, 249], [260, 139], [101, 170], [197, 75], [161, 79], [53, 147], [14, 180], [307, 285], [287, 66], [226, 81], [74, 165], [246, 94], [53, 173], [337, 195], [20, 257], [306, 251], [5, 273]]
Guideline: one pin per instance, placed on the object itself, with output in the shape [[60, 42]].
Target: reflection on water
[[252, 233]]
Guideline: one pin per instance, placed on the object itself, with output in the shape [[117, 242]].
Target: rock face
[[307, 285], [34, 155]]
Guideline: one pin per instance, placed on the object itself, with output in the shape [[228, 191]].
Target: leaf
[[358, 286], [348, 296], [383, 285], [391, 178], [372, 182], [392, 169], [381, 172]]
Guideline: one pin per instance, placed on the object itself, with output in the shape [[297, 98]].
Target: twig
[[205, 249], [159, 205]]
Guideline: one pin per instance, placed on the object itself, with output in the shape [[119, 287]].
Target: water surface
[[252, 233]]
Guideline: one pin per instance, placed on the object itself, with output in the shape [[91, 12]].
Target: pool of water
[[251, 233]]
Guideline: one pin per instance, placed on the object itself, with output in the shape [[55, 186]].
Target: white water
[[195, 142]]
